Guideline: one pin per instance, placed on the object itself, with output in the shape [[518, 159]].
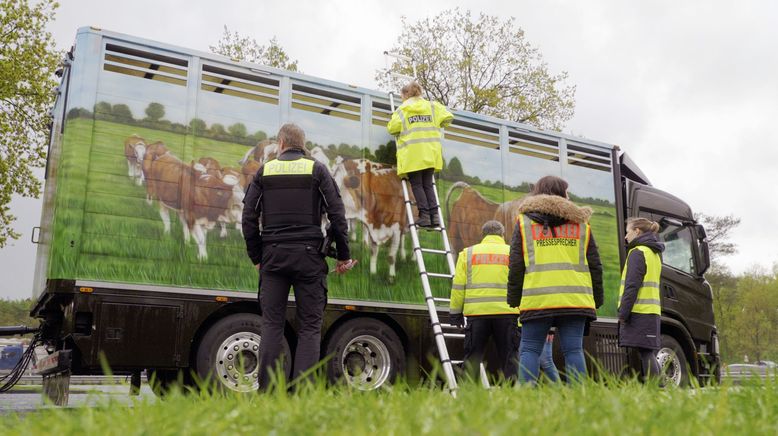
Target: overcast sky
[[689, 89]]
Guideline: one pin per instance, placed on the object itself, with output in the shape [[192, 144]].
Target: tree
[[243, 48], [454, 169], [218, 129], [717, 229], [238, 130], [155, 111], [483, 65], [121, 112], [198, 126], [28, 61], [387, 153]]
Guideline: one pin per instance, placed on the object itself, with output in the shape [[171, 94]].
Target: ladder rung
[[454, 335], [457, 362], [441, 276], [450, 326], [441, 300], [433, 251]]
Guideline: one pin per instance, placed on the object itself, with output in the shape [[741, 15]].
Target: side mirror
[[704, 260], [700, 229]]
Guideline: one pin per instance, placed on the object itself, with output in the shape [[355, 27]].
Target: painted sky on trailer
[[688, 89]]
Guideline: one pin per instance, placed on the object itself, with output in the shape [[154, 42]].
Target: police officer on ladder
[[479, 291], [289, 194]]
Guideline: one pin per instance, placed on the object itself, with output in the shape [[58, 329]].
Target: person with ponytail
[[639, 304]]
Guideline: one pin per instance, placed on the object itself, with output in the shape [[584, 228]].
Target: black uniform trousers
[[300, 266], [504, 331], [423, 191]]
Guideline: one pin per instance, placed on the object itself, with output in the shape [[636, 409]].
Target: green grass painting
[[105, 230]]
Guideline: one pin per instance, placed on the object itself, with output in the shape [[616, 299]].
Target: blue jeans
[[533, 339], [547, 361]]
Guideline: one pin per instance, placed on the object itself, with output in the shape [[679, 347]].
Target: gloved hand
[[457, 320], [598, 302]]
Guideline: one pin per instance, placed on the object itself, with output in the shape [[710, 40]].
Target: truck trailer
[[141, 261]]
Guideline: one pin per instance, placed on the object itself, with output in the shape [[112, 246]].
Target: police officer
[[417, 123], [555, 275], [289, 194], [479, 292]]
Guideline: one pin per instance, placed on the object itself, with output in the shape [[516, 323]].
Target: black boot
[[424, 219], [434, 217]]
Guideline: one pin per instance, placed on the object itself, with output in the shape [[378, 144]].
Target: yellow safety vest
[[648, 300], [480, 284], [417, 123], [557, 274]]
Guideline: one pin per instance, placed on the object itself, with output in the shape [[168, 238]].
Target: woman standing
[[555, 276], [639, 302], [417, 123]]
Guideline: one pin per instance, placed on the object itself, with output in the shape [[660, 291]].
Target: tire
[[673, 363], [365, 353], [162, 381], [232, 341]]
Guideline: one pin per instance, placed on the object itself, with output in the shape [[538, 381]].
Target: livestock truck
[[141, 263]]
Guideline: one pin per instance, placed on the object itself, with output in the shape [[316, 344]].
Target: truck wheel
[[366, 353], [672, 362], [228, 355], [162, 380]]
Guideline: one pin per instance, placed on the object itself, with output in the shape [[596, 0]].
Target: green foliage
[[387, 153], [746, 313], [121, 112], [16, 312], [238, 130], [155, 111], [483, 64], [198, 126], [28, 60], [243, 48], [616, 408]]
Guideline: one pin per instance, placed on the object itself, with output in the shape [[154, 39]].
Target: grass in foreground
[[592, 408]]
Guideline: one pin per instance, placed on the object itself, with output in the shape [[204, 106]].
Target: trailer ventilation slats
[[239, 84], [474, 133], [326, 102], [146, 65], [534, 146], [382, 113], [589, 157], [612, 357]]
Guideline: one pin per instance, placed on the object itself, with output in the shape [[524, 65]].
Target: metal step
[[433, 251], [441, 300], [440, 276], [454, 335]]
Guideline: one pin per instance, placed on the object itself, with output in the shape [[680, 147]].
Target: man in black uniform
[[289, 194]]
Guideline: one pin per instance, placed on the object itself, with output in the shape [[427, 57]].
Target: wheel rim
[[237, 362], [366, 362], [670, 365]]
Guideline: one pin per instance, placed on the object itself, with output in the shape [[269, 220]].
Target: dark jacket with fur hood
[[638, 329], [551, 211]]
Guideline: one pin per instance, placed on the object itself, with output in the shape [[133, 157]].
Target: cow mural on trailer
[[468, 213], [372, 195]]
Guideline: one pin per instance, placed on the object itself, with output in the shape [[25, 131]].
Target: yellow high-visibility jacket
[[480, 280], [417, 123]]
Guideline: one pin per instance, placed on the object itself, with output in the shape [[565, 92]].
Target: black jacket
[[538, 209], [333, 205], [638, 329]]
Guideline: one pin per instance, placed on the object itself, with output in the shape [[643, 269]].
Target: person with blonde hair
[[417, 123], [639, 304]]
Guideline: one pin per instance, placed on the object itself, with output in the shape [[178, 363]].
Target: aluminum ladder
[[452, 331]]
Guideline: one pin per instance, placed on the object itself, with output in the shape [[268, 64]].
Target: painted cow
[[134, 150]]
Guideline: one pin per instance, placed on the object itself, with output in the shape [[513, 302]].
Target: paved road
[[26, 399]]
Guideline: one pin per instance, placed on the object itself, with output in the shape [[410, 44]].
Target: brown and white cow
[[134, 150], [264, 151], [470, 211], [372, 194], [208, 165], [198, 199], [154, 151]]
